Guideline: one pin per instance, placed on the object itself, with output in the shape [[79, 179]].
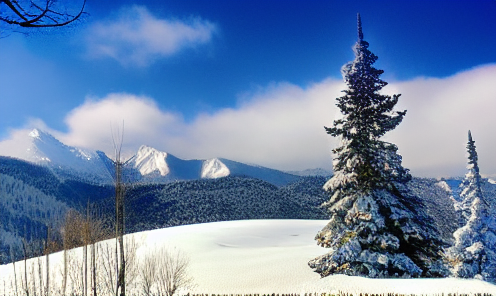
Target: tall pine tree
[[377, 227], [474, 252]]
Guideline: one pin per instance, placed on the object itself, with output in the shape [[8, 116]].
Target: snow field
[[262, 256]]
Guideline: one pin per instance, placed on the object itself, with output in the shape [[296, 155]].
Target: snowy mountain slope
[[276, 177], [148, 165], [65, 161], [184, 169], [154, 166], [151, 161], [251, 256]]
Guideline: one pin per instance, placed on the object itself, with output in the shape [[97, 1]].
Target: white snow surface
[[149, 160], [268, 256], [214, 168]]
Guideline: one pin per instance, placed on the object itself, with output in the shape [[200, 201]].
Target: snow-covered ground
[[267, 256]]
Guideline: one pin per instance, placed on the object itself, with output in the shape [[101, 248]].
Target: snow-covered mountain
[[148, 165], [158, 166], [153, 166], [65, 161]]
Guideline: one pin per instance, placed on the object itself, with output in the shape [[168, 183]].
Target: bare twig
[[33, 15]]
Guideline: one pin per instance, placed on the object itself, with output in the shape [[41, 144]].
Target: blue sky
[[254, 81]]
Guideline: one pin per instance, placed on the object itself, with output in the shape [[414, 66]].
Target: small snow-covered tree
[[471, 184], [474, 252], [377, 227]]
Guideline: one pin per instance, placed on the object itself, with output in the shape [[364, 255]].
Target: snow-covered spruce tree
[[474, 252], [377, 228], [471, 184]]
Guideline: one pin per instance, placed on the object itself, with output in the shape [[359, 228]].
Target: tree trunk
[[85, 269], [47, 275], [12, 257], [119, 206], [47, 256], [93, 267], [26, 289], [33, 279], [64, 279], [40, 276], [119, 220]]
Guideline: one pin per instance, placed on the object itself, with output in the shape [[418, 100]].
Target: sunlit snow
[[214, 168], [267, 256], [42, 148], [149, 160]]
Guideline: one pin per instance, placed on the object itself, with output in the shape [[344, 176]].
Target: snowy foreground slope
[[266, 256]]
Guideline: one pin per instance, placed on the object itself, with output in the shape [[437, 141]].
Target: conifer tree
[[377, 227], [474, 252], [471, 184]]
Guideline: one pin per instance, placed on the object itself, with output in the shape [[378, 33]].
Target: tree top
[[359, 25]]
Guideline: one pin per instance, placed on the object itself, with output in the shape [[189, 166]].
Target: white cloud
[[136, 118], [137, 37], [281, 126], [433, 135]]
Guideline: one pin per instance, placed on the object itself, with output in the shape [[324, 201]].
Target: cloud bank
[[136, 37], [433, 135], [281, 126]]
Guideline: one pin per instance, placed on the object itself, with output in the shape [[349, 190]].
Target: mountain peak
[[148, 149], [44, 149], [214, 168], [148, 165], [149, 160], [43, 146], [35, 133]]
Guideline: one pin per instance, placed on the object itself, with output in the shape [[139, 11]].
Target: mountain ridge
[[147, 165]]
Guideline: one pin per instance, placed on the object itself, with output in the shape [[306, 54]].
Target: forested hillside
[[31, 197], [223, 199]]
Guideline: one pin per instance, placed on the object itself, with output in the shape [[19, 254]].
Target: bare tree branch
[[163, 271], [33, 15]]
